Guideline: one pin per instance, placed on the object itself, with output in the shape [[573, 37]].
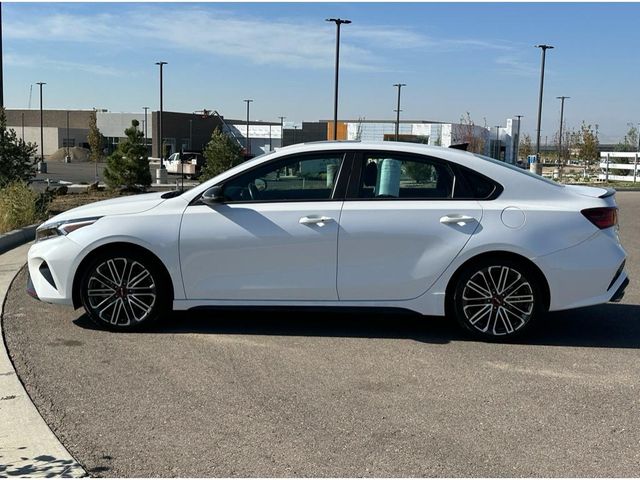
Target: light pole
[[399, 85], [338, 22], [42, 165], [161, 64], [146, 141], [22, 119], [497, 142], [68, 140], [191, 134], [562, 99], [248, 145], [535, 166], [1, 63], [517, 149], [282, 131]]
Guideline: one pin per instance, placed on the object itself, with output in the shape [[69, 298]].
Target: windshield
[[518, 169]]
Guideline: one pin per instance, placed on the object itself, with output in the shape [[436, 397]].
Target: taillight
[[602, 217]]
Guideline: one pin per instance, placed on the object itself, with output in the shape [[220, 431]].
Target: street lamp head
[[544, 47], [41, 83], [399, 84], [562, 98], [161, 63], [338, 21]]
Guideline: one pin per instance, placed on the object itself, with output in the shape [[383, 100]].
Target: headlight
[[62, 228]]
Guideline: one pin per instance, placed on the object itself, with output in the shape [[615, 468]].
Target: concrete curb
[[28, 447], [16, 238]]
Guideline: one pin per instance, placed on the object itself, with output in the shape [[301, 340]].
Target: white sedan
[[434, 230]]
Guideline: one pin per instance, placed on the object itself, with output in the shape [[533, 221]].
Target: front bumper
[[31, 291], [52, 264]]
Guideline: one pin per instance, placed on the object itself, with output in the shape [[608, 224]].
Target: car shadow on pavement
[[609, 325]]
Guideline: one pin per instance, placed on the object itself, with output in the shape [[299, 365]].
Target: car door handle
[[314, 220], [457, 219]]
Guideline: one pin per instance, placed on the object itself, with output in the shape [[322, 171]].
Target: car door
[[273, 238], [400, 226]]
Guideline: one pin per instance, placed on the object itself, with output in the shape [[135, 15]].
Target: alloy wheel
[[121, 292], [497, 300]]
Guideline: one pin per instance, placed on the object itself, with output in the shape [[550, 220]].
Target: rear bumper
[[587, 274], [619, 293]]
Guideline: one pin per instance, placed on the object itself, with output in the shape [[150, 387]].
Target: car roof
[[493, 169]]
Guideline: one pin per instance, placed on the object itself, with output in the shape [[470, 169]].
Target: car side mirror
[[213, 196]]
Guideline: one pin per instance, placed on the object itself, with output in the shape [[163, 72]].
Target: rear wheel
[[123, 292], [497, 299]]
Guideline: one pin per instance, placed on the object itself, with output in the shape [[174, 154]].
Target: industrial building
[[192, 131], [498, 143], [181, 131]]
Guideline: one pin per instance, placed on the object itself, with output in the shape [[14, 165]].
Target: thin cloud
[[221, 33], [35, 61], [514, 66]]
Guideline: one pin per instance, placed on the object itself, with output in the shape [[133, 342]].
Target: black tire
[[124, 291], [497, 299]]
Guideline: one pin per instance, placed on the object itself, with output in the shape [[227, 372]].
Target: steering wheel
[[253, 191]]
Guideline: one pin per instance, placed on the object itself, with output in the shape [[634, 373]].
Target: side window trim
[[339, 188]]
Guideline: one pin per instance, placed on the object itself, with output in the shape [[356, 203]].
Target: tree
[[588, 144], [95, 139], [221, 153], [16, 163], [526, 148], [128, 166], [630, 142], [467, 134]]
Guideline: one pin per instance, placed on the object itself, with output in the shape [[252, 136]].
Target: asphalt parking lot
[[340, 394]]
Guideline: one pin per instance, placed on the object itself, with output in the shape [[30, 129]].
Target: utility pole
[[535, 166], [43, 166], [338, 22], [517, 146], [399, 85], [248, 145], [562, 99]]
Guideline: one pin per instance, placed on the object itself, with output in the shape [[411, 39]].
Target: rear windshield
[[518, 169]]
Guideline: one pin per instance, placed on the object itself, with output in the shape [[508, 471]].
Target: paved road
[[304, 394]]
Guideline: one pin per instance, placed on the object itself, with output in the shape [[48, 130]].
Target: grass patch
[[19, 206]]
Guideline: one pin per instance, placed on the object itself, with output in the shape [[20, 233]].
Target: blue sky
[[454, 58]]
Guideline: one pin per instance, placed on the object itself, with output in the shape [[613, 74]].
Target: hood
[[593, 192], [115, 206]]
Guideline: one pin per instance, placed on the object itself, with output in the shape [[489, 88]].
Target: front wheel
[[123, 292], [497, 299]]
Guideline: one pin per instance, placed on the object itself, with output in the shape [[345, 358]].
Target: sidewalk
[[28, 448]]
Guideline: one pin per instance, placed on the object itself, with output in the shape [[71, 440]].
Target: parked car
[[429, 229], [189, 163]]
